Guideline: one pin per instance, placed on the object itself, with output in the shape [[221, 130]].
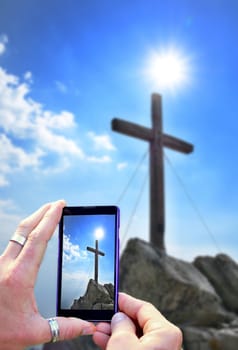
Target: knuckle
[[34, 235], [178, 335], [68, 333], [23, 226], [36, 238], [11, 278], [175, 335]]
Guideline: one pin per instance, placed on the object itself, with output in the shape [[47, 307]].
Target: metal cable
[[193, 204]]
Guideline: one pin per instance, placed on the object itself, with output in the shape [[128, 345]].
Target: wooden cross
[[96, 252], [157, 140]]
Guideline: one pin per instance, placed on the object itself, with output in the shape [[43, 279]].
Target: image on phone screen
[[88, 262]]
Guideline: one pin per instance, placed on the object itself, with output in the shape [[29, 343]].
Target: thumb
[[121, 322], [123, 333]]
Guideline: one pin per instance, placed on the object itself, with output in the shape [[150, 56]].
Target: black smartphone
[[88, 262]]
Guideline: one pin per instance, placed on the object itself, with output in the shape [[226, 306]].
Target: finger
[[32, 254], [163, 334], [69, 328], [167, 337], [104, 327], [140, 310], [101, 339], [123, 333], [74, 327], [102, 334], [24, 228], [36, 330]]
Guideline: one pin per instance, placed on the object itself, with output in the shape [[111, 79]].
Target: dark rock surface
[[82, 343], [96, 297], [201, 338], [174, 286], [222, 272]]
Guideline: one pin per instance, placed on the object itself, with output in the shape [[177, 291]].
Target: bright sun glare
[[167, 69], [99, 233]]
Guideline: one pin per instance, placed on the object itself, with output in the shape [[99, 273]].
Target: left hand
[[21, 324]]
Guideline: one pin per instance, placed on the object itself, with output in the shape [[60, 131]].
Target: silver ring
[[18, 239], [54, 329]]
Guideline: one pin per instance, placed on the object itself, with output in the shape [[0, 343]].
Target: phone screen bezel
[[90, 315]]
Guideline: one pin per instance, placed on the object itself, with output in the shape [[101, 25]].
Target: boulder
[[96, 297], [177, 288], [81, 343], [201, 338], [222, 272]]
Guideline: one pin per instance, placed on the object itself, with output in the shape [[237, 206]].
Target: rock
[[201, 338], [110, 288], [97, 297], [222, 272], [177, 288], [81, 343]]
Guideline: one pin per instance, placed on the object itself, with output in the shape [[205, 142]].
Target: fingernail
[[119, 317], [60, 201]]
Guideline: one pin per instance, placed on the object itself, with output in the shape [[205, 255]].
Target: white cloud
[[36, 132], [28, 77], [14, 158], [101, 141], [3, 42], [25, 118], [58, 143], [51, 120], [61, 87], [3, 181], [102, 159], [121, 166], [31, 135], [9, 219], [72, 252]]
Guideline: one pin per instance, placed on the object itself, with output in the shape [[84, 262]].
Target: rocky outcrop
[[222, 272], [200, 297], [97, 297], [177, 288], [224, 338]]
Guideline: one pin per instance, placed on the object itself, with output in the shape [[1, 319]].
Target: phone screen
[[88, 262]]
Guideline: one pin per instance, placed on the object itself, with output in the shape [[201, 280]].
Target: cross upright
[[97, 252], [157, 140]]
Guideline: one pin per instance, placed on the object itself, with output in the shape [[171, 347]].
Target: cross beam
[[157, 140], [97, 252]]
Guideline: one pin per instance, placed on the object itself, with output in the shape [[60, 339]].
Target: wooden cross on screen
[[157, 140], [97, 252]]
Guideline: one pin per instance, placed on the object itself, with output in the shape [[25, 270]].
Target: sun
[[167, 69], [99, 233]]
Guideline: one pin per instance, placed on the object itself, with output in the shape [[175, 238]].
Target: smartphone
[[88, 262]]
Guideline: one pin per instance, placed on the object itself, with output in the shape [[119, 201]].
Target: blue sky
[[81, 232], [68, 67]]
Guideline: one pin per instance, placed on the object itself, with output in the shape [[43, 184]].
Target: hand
[[137, 317], [21, 325]]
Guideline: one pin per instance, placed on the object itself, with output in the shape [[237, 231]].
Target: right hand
[[138, 326]]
